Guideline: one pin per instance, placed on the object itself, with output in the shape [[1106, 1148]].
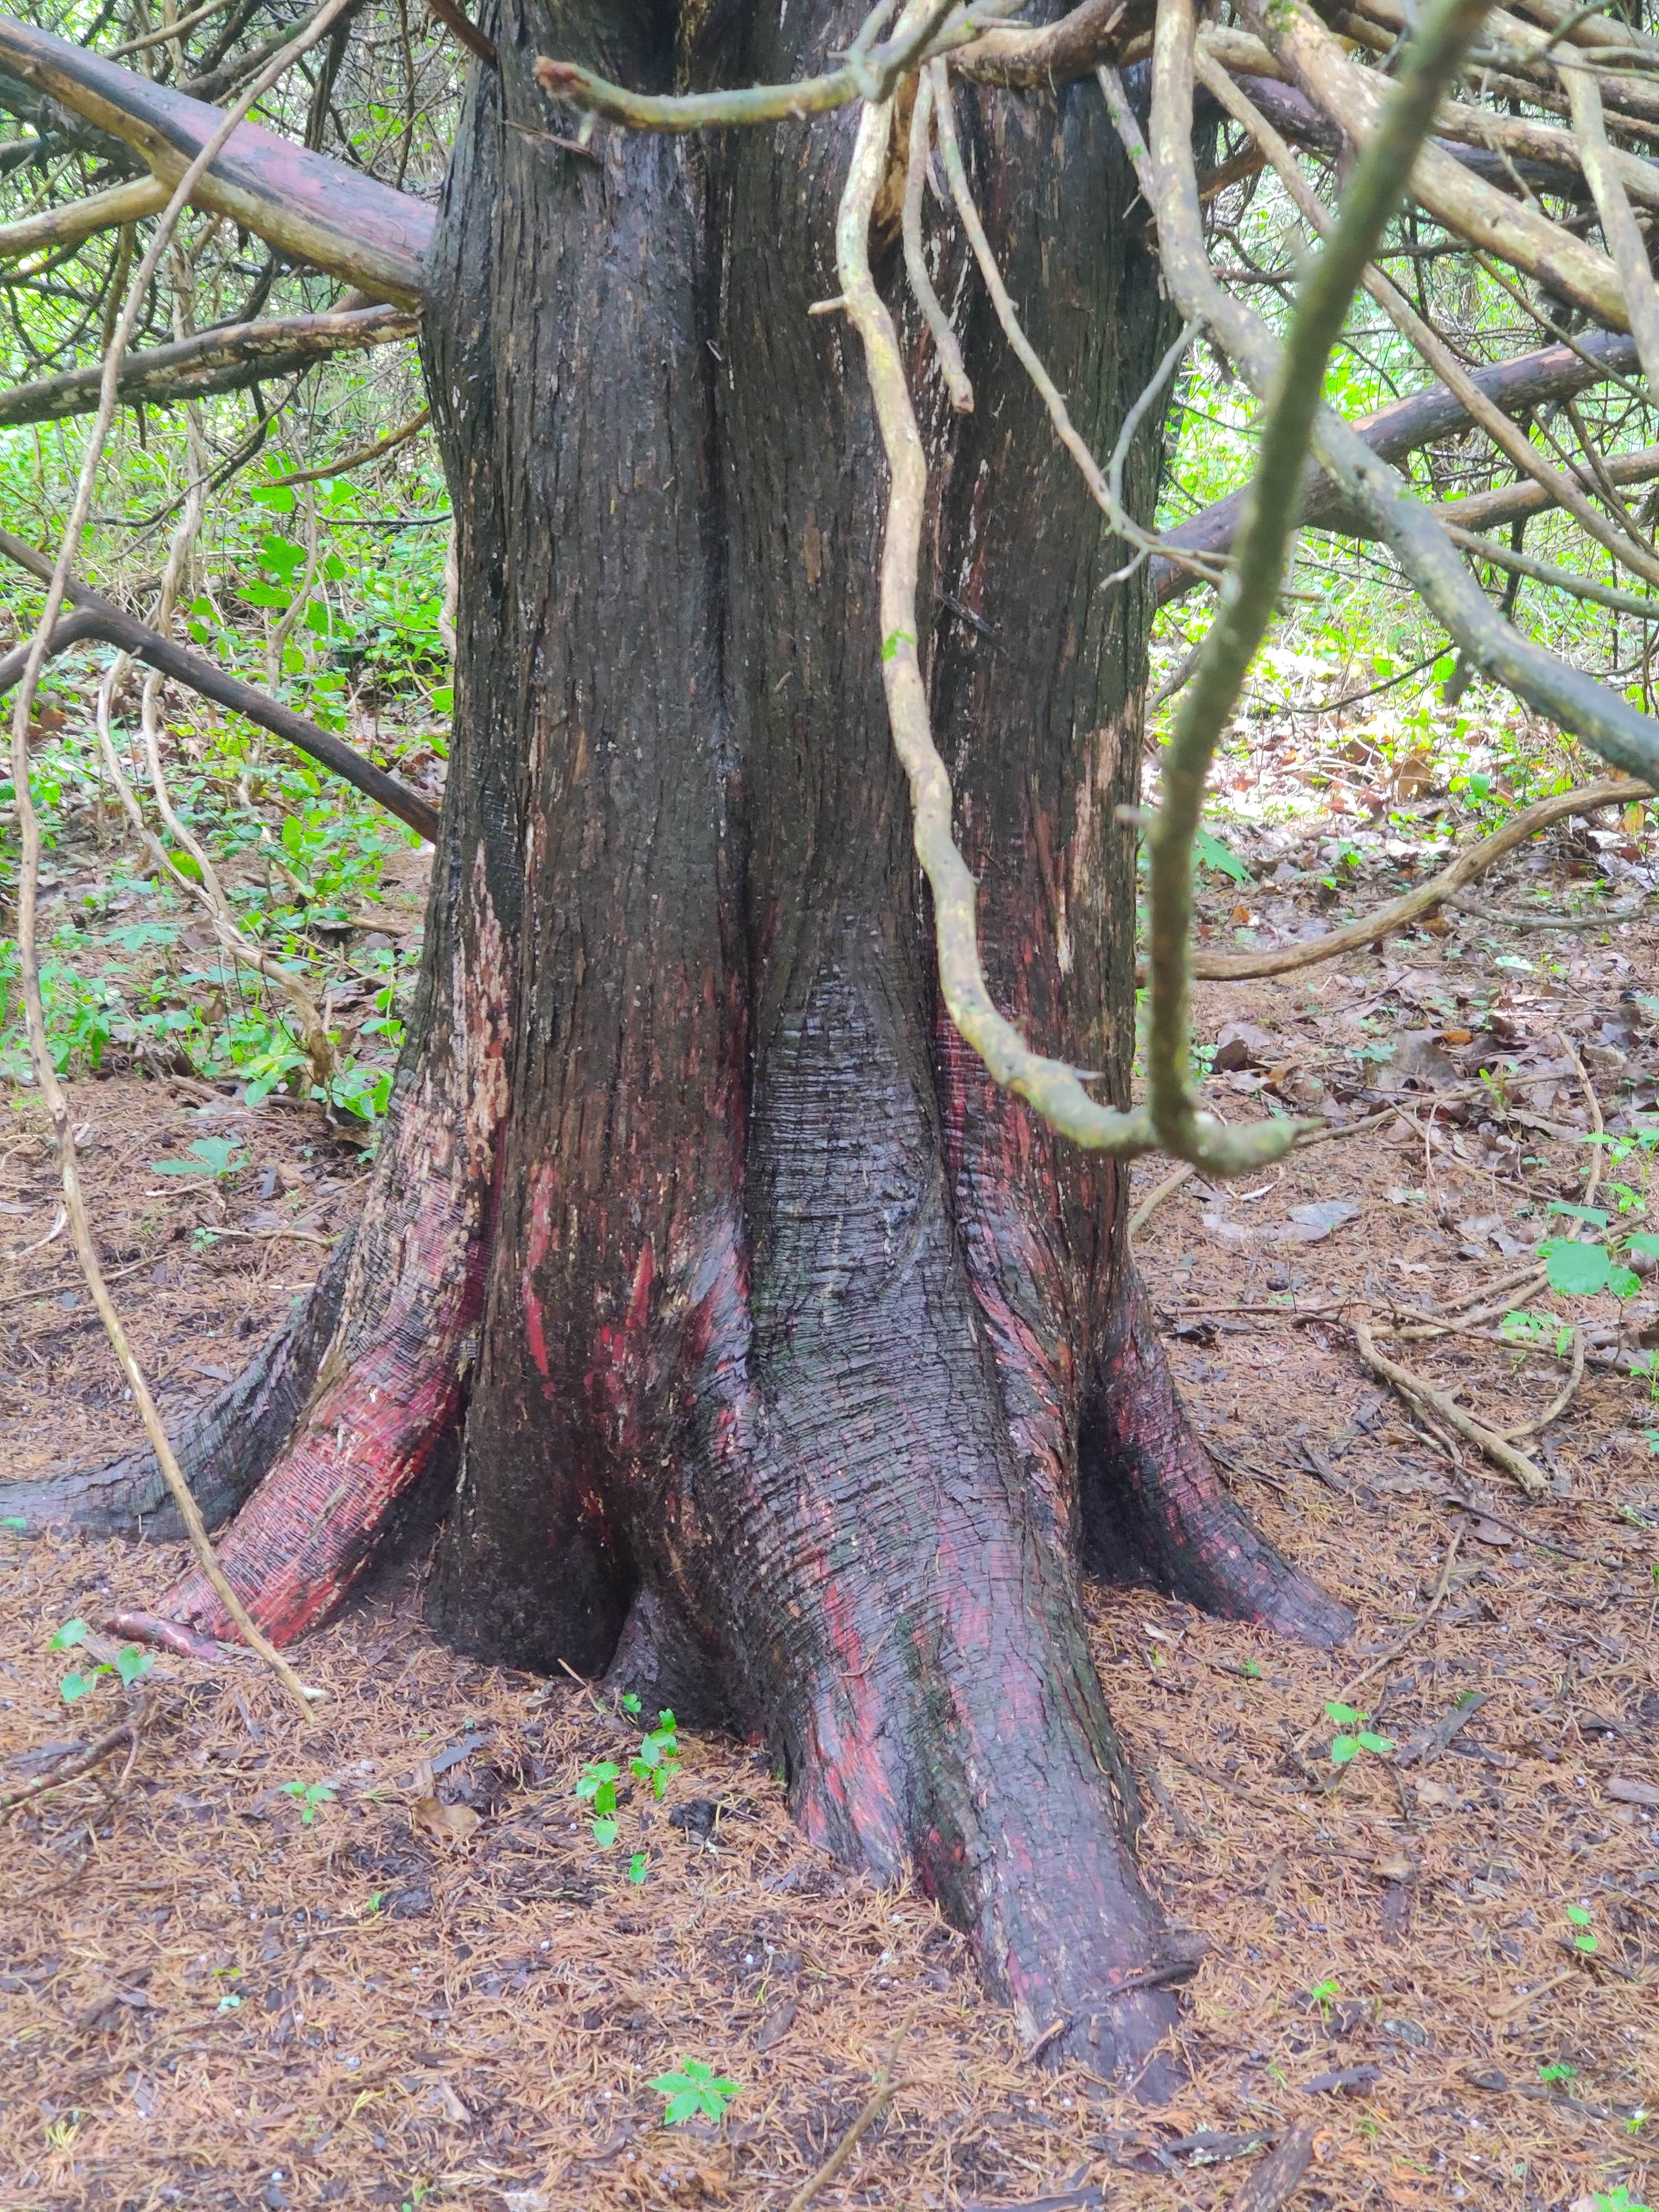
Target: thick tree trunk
[[797, 1363]]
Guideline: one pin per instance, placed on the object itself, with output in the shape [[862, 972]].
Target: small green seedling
[[16, 1521], [658, 1756], [1617, 2200], [311, 1794], [630, 1704], [1583, 1921], [697, 2092], [598, 1788], [639, 1866], [1561, 2072], [130, 1663], [1347, 1746], [208, 1156], [1323, 1995]]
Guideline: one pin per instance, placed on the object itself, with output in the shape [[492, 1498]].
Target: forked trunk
[[798, 1365]]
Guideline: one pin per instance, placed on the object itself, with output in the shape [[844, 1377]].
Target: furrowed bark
[[314, 208], [226, 359], [775, 1326]]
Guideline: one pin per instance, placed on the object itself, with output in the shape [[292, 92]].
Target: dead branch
[[1507, 435], [81, 219], [1033, 61], [1048, 1084], [887, 2086], [870, 73], [1529, 381], [70, 1769], [1355, 98], [1445, 1408], [476, 42], [358, 457], [1623, 737], [316, 210], [97, 616], [45, 1071], [1246, 606], [228, 358], [951, 365], [1465, 868], [1625, 241]]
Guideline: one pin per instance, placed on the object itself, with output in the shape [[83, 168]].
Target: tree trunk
[[794, 1365]]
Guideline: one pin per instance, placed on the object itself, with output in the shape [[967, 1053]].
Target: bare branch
[[316, 210], [226, 359], [1475, 210], [359, 456], [1248, 596], [1423, 419], [1625, 241], [1048, 1086], [1441, 889], [868, 75], [476, 42], [95, 617], [1628, 740], [950, 364], [67, 226]]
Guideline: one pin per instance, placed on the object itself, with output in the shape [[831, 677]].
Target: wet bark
[[792, 1362]]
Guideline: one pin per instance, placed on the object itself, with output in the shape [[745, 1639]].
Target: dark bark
[[791, 1360]]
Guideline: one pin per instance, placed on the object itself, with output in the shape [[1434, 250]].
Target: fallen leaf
[[1310, 1223], [1342, 2077], [446, 1824], [1242, 1044]]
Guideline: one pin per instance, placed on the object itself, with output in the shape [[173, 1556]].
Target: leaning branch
[[1531, 380], [98, 617], [1248, 596], [228, 358], [314, 208], [1465, 867], [82, 219]]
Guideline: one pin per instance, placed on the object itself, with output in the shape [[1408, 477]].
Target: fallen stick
[[1445, 1408], [1399, 914], [887, 2087], [96, 617], [1276, 2177], [71, 1770]]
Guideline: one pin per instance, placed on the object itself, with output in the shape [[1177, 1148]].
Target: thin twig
[[357, 455], [887, 2087], [1463, 868], [950, 364], [45, 1072], [71, 1769], [1436, 1599], [1445, 1408]]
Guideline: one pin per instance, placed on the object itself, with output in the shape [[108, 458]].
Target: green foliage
[[310, 1795], [1583, 1923], [695, 2092], [131, 1664], [218, 1156], [1346, 1747], [1211, 853]]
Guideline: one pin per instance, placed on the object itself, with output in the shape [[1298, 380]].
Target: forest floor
[[217, 1989]]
